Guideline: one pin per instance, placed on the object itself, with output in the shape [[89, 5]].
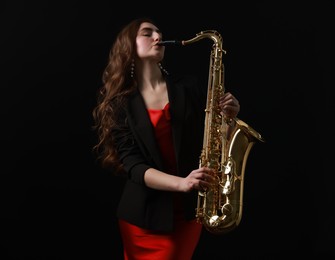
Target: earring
[[162, 69], [132, 68]]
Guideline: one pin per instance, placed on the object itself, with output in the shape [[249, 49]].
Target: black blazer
[[138, 151]]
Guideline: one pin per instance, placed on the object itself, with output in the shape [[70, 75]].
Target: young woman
[[150, 128]]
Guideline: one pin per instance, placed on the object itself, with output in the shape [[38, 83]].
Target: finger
[[202, 188]]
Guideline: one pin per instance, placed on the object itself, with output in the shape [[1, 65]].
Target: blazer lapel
[[139, 119]]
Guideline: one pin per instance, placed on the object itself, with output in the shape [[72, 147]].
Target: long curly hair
[[117, 83]]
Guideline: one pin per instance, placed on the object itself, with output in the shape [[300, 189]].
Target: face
[[147, 38]]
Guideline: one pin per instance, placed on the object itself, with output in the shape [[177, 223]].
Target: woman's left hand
[[230, 106]]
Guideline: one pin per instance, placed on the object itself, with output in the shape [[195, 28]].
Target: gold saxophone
[[226, 146]]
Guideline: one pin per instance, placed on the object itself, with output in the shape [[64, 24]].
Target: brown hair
[[117, 83]]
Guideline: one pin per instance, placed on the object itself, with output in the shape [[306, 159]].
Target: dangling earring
[[162, 69], [132, 68]]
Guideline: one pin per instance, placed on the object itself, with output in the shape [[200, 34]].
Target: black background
[[57, 203]]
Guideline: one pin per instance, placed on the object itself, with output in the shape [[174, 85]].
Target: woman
[[150, 128]]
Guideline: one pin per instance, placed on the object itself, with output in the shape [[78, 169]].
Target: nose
[[157, 37]]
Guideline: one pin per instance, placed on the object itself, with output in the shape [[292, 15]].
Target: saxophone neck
[[214, 35]]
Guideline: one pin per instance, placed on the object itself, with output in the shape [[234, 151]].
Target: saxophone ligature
[[226, 146]]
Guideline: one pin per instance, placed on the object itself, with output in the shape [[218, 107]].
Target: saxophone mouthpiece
[[171, 42]]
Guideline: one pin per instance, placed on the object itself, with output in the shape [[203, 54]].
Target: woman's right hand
[[199, 179]]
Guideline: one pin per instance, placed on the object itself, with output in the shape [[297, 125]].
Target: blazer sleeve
[[129, 152]]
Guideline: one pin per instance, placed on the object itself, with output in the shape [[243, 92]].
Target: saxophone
[[226, 146]]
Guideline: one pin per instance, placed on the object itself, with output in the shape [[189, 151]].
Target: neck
[[149, 76]]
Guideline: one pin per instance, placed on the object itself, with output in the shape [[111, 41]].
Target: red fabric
[[160, 119], [142, 244]]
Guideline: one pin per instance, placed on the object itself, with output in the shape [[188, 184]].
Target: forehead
[[148, 26]]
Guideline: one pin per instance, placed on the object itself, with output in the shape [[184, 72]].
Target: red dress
[[143, 244]]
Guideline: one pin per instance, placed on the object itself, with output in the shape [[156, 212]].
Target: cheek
[[142, 47], [140, 51]]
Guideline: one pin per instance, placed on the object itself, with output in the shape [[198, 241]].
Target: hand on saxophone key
[[200, 179], [230, 106]]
